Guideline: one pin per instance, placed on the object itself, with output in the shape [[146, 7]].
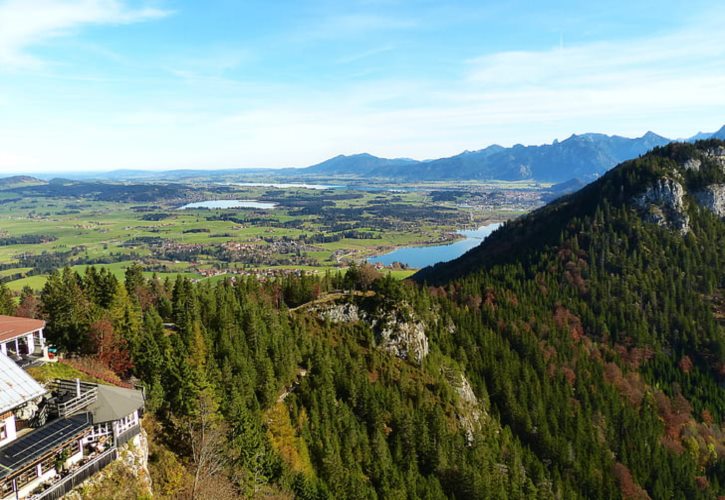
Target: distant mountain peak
[[720, 134], [649, 135], [581, 156]]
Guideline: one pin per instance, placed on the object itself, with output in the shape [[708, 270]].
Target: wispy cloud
[[678, 71], [359, 56], [24, 24], [215, 110], [346, 26]]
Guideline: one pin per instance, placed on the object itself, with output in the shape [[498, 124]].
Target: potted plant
[[60, 460]]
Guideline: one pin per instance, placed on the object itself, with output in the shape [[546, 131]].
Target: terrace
[[70, 396], [86, 423], [43, 455]]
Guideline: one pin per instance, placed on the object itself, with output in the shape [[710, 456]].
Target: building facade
[[54, 437]]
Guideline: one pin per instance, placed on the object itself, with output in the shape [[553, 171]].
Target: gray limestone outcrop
[[397, 331], [712, 198], [716, 154], [663, 204]]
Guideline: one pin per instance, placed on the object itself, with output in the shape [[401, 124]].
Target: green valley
[[49, 225]]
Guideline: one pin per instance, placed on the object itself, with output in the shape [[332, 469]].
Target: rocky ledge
[[712, 198], [398, 331], [663, 204]]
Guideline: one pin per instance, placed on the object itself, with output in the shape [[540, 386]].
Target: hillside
[[360, 165], [618, 286], [18, 181], [666, 187]]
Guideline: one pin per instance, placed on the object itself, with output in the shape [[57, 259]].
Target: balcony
[[73, 478], [70, 397]]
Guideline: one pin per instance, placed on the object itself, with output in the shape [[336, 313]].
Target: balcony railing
[[66, 484], [127, 435], [67, 400]]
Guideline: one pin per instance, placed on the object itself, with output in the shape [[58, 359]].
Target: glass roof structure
[[16, 386]]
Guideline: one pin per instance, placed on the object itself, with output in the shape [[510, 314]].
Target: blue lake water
[[229, 204], [288, 185], [420, 257]]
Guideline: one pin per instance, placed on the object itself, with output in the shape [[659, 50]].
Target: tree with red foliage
[[29, 306], [628, 487], [110, 348], [685, 364]]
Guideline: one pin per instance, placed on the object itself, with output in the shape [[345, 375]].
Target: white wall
[[9, 429]]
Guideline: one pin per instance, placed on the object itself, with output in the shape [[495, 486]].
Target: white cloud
[[632, 79], [672, 84], [346, 26], [24, 24]]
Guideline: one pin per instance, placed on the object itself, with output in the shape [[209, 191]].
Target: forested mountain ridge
[[588, 364], [622, 282], [663, 187]]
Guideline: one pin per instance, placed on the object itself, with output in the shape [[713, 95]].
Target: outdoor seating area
[[42, 454], [22, 340], [70, 396]]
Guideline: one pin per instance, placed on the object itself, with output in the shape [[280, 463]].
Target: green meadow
[[308, 230]]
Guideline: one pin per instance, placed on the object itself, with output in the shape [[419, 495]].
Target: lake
[[420, 257], [211, 204], [289, 185]]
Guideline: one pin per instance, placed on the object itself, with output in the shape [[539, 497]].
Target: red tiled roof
[[12, 327]]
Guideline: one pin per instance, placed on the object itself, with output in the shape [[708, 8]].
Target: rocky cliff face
[[712, 198], [468, 409], [403, 338], [340, 313], [692, 164], [663, 204], [716, 154], [398, 331]]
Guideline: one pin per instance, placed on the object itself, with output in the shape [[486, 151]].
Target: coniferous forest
[[578, 353]]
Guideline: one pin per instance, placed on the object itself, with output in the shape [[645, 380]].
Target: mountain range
[[584, 156], [581, 157]]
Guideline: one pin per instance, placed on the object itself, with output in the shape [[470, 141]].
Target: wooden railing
[[88, 394]]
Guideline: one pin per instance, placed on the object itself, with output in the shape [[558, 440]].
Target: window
[[3, 430]]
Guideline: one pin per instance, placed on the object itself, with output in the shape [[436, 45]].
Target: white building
[[53, 438], [22, 338]]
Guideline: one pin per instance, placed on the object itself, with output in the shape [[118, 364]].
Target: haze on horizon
[[95, 85]]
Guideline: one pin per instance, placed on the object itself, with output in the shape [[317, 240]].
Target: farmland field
[[73, 223]]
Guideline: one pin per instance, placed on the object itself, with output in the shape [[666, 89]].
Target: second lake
[[224, 204], [420, 257]]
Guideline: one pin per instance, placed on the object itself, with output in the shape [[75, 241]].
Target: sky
[[96, 85]]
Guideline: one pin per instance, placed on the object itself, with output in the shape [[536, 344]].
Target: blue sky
[[159, 84]]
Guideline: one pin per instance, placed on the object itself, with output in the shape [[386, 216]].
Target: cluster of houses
[[54, 436], [262, 274]]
